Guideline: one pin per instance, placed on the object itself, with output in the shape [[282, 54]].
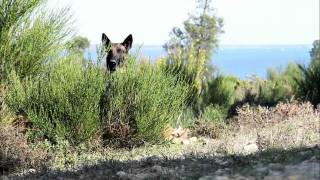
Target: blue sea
[[244, 61]]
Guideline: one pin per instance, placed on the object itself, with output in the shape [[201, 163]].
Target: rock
[[143, 176], [276, 166], [4, 177], [193, 139], [157, 169], [214, 178], [250, 148], [177, 141], [122, 174], [31, 171], [206, 178], [185, 141], [220, 172], [273, 177]]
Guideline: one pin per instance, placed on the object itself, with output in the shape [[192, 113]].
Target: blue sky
[[150, 21]]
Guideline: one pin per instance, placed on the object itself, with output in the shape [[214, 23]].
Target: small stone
[[273, 177], [276, 166], [207, 178], [251, 148], [193, 139], [31, 170], [157, 169], [121, 174], [144, 176], [4, 177], [185, 142]]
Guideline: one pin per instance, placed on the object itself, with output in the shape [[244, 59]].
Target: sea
[[242, 61]]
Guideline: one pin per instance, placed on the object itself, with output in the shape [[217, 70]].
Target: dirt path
[[294, 164]]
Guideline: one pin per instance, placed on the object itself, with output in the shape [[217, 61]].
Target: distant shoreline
[[242, 60]]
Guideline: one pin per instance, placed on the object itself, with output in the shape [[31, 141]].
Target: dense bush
[[6, 115], [140, 102], [210, 123], [189, 66], [231, 93], [221, 91], [215, 114], [29, 36], [309, 84], [61, 102]]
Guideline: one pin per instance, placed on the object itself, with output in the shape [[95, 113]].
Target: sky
[[247, 22]]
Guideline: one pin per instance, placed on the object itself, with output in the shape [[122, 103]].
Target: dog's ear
[[105, 40], [128, 42]]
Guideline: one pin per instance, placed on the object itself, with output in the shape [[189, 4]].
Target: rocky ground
[[288, 150], [301, 163]]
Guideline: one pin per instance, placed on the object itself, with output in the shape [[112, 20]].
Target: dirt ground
[[288, 150], [301, 163]]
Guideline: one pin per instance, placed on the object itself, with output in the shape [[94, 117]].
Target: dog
[[116, 52]]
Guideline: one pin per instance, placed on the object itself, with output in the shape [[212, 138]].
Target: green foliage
[[230, 92], [211, 122], [61, 102], [315, 52], [214, 114], [201, 30], [141, 101], [221, 91], [309, 84], [12, 11], [189, 67], [29, 36], [280, 85], [190, 49], [78, 44]]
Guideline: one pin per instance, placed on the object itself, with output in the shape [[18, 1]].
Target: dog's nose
[[113, 63]]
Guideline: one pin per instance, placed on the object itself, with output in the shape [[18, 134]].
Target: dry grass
[[17, 154], [5, 115], [291, 126], [258, 129], [258, 116]]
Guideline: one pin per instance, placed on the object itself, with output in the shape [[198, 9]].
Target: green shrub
[[189, 66], [279, 86], [282, 85], [216, 114], [221, 91], [309, 84], [30, 36], [211, 122], [140, 102], [61, 102]]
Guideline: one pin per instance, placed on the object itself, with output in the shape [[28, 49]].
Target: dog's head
[[116, 51]]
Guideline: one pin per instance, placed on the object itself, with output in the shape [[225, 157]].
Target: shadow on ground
[[302, 163]]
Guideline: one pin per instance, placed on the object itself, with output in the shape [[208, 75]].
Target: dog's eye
[[119, 50]]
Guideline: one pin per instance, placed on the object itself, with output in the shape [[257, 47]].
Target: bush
[[215, 114], [309, 84], [221, 91], [61, 102], [29, 36], [5, 115], [258, 116], [15, 153], [189, 66], [211, 122], [140, 102]]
